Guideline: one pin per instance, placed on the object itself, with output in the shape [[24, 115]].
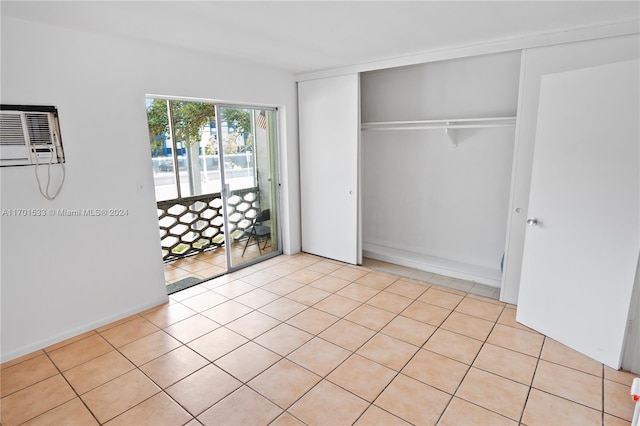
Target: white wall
[[536, 63], [420, 192], [64, 275], [631, 355], [477, 86]]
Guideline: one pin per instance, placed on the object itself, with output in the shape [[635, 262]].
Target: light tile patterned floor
[[210, 263], [303, 340], [204, 265]]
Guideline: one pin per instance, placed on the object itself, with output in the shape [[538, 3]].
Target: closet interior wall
[[434, 200]]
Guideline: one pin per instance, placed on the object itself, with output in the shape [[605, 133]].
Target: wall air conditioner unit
[[29, 135]]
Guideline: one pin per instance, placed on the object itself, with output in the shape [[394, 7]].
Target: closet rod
[[451, 126], [453, 123]]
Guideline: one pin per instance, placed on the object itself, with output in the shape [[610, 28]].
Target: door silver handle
[[532, 221]]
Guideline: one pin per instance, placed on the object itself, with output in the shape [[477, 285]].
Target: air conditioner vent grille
[[11, 130], [38, 126], [29, 134]]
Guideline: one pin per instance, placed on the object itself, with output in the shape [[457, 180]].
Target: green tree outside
[[189, 119]]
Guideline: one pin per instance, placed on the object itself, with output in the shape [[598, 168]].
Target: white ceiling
[[305, 36]]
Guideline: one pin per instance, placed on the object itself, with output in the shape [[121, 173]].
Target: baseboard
[[41, 344], [433, 264]]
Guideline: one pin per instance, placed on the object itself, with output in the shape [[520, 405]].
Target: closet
[[411, 165], [436, 156], [421, 165]]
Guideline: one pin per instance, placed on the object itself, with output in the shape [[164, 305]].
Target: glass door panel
[[183, 138], [214, 170], [162, 159], [247, 151]]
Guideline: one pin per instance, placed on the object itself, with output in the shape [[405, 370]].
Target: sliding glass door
[[247, 151], [215, 179]]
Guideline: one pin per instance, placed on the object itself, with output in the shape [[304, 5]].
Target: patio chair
[[257, 231]]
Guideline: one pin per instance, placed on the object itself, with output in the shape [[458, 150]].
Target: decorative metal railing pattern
[[196, 224]]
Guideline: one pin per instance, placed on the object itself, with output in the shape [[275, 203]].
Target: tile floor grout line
[[475, 358], [161, 389], [567, 366], [352, 352], [399, 371], [575, 402], [419, 348], [535, 370], [96, 387], [603, 395], [411, 358], [193, 417], [490, 372], [73, 388], [136, 367], [325, 377], [210, 363], [44, 353], [301, 366], [291, 414], [570, 368], [317, 335], [376, 332], [134, 406], [469, 365]]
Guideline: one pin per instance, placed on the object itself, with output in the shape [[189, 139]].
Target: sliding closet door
[[329, 123], [581, 245]]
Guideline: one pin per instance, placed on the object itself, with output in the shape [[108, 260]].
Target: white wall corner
[[631, 354]]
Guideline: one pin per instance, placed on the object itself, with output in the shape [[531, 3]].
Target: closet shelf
[[453, 123]]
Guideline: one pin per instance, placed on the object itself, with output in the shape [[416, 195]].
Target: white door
[[580, 258], [329, 128]]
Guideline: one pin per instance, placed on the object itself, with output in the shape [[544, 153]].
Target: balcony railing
[[196, 224]]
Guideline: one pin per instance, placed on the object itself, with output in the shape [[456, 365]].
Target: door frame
[[275, 163], [276, 187]]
